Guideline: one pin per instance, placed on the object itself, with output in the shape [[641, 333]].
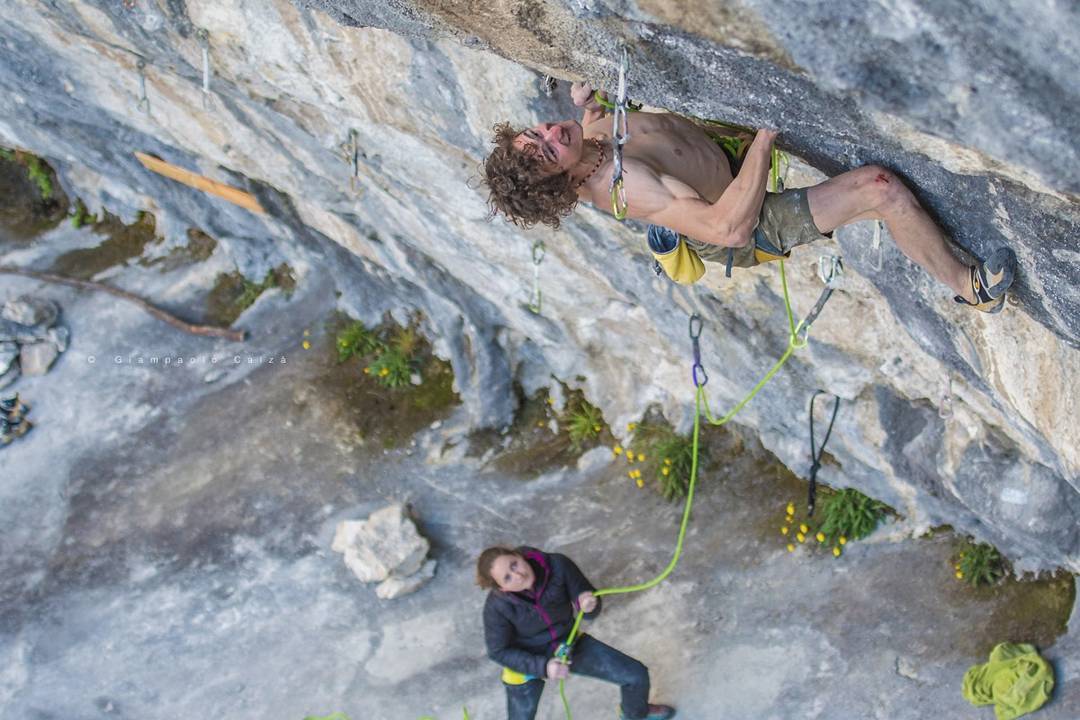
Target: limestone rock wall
[[951, 417]]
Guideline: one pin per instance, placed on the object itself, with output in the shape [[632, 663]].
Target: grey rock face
[[972, 109]]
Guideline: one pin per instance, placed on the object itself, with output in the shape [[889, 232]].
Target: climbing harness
[[538, 252], [816, 452], [350, 149], [204, 42], [620, 134], [144, 102]]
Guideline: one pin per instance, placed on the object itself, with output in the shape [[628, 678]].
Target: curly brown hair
[[518, 188]]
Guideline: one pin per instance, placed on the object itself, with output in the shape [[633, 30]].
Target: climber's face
[[512, 573], [557, 145]]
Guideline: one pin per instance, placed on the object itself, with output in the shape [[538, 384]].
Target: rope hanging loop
[[815, 452]]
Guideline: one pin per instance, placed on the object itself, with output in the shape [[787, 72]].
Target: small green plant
[[979, 564], [356, 340], [584, 422], [850, 514], [392, 368], [39, 174], [82, 216], [669, 454], [8, 155]]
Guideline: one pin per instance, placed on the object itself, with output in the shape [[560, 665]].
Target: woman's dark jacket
[[523, 630]]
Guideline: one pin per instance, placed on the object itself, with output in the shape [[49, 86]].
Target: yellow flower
[[596, 428], [551, 401], [956, 567], [666, 472], [667, 461], [640, 483], [791, 508], [617, 450], [367, 371], [803, 529], [959, 575], [637, 473], [843, 540], [631, 426], [836, 551], [540, 423], [789, 518], [820, 537], [790, 548], [640, 457], [630, 455], [630, 474], [307, 333], [384, 372], [785, 530], [800, 537], [306, 345]]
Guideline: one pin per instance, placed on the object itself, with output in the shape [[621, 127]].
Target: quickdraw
[[144, 102], [538, 252], [204, 42], [350, 149], [620, 134]]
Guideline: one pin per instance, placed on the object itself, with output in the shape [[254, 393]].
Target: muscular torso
[[677, 151]]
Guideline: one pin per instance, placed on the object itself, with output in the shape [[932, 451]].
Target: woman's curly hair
[[518, 188]]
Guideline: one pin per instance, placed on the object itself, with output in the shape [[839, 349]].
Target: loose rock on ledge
[[386, 548]]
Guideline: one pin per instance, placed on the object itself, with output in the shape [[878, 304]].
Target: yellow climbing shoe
[[990, 279]]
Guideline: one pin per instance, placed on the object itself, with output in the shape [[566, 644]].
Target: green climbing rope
[[797, 338]]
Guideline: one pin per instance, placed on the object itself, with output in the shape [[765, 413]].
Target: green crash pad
[[1016, 681]]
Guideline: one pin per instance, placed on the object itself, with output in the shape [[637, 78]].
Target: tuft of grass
[[669, 455], [979, 564], [392, 368], [6, 154], [356, 340], [850, 514], [82, 216], [39, 175], [584, 422]]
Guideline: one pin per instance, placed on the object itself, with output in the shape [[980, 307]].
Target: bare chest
[[675, 147]]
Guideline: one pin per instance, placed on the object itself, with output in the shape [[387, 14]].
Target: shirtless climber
[[677, 176]]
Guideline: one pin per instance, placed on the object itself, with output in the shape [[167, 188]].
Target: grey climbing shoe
[[657, 712], [990, 279]]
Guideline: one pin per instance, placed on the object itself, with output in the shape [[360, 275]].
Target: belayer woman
[[530, 609]]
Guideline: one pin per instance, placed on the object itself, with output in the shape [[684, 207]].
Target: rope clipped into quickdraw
[[538, 252], [204, 42], [144, 102], [620, 134], [798, 335], [815, 451]]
